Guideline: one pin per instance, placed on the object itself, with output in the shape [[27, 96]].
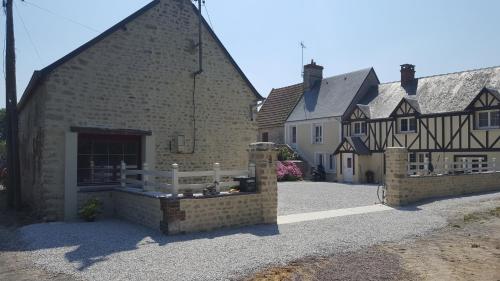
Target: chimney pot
[[313, 74], [407, 74]]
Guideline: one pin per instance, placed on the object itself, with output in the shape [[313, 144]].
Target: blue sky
[[263, 36]]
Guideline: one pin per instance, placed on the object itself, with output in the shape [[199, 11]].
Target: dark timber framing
[[436, 132]]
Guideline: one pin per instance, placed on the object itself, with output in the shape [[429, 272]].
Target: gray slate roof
[[332, 98], [358, 145], [434, 94]]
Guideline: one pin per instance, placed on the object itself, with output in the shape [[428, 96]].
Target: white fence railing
[[168, 181], [464, 165]]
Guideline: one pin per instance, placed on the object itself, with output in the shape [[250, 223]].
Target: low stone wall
[[129, 204], [403, 189], [183, 215], [203, 214], [139, 208]]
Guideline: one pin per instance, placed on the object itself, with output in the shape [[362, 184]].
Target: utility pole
[[14, 187]]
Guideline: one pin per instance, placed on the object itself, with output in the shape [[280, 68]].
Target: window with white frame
[[359, 128], [331, 162], [317, 133], [407, 125], [319, 159], [293, 134], [417, 162], [488, 119]]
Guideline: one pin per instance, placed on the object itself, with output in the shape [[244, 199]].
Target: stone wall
[[275, 134], [182, 215], [132, 205], [138, 208], [139, 77], [32, 131], [203, 214], [403, 189]]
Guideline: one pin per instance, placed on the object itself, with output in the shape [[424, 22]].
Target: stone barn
[[136, 94]]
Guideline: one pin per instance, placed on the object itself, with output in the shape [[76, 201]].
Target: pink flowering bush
[[288, 171]]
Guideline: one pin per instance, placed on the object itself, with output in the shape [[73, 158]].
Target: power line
[[28, 33], [208, 15], [61, 16]]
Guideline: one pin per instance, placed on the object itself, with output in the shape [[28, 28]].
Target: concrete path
[[332, 214]]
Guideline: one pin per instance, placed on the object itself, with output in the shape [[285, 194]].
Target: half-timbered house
[[452, 116]]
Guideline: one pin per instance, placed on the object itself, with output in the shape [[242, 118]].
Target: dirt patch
[[468, 249], [370, 264], [13, 265]]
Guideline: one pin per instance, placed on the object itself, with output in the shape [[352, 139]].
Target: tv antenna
[[302, 46]]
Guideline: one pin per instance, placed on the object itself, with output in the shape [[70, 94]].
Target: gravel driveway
[[303, 197], [117, 250]]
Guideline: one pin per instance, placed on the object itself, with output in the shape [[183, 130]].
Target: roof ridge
[[324, 78], [286, 87], [449, 73]]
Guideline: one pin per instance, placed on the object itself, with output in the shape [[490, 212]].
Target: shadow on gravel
[[91, 243]]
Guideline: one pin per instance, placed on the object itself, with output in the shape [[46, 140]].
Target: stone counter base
[[174, 215]]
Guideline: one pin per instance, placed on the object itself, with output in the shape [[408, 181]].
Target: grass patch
[[495, 212], [471, 218]]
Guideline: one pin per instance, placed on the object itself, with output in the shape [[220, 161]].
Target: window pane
[[349, 163], [294, 134], [495, 118], [265, 137], [84, 146], [332, 157], [116, 148], [131, 148], [101, 164], [420, 158], [412, 157], [483, 119], [100, 161], [404, 125], [363, 128], [413, 124], [357, 129], [100, 147]]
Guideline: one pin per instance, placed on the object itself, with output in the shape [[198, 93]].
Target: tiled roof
[[278, 106], [434, 94]]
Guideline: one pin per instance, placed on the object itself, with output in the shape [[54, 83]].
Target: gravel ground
[[303, 197], [117, 250]]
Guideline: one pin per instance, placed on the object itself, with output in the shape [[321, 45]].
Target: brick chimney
[[313, 74], [407, 74]]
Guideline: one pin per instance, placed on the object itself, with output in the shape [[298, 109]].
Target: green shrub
[[284, 154], [90, 209]]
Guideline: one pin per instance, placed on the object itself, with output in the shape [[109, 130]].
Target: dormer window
[[407, 125], [359, 128], [488, 119]]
